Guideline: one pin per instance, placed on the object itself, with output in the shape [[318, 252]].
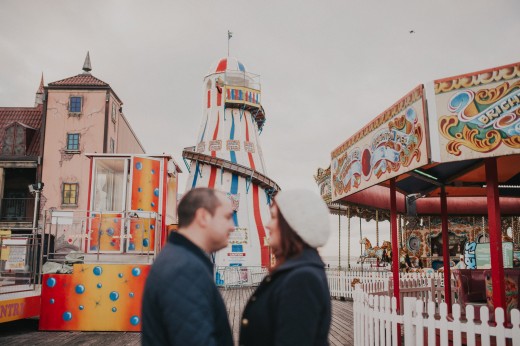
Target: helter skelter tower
[[228, 157]]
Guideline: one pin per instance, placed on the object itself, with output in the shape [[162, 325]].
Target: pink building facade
[[82, 114]]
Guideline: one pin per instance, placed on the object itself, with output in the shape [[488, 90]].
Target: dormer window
[[17, 138], [75, 103]]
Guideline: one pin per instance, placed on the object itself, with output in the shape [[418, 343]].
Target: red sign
[[17, 309]]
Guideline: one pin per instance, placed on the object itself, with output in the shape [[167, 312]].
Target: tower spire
[[39, 94], [40, 88], [86, 65]]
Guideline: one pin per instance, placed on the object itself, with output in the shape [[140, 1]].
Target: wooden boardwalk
[[25, 332]]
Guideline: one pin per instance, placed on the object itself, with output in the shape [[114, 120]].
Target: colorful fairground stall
[[96, 269], [20, 258], [443, 164]]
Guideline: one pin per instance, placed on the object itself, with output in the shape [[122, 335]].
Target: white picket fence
[[376, 322], [340, 283]]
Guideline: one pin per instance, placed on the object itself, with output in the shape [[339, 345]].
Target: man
[[460, 264], [181, 303]]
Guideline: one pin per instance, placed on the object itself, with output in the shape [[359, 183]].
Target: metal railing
[[20, 262], [256, 177], [17, 209], [108, 236], [229, 277]]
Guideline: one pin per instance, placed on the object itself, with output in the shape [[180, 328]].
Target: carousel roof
[[418, 191], [462, 178]]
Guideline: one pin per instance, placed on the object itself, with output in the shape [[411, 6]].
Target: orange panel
[[105, 233], [96, 297]]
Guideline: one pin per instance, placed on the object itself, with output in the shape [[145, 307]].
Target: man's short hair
[[201, 197]]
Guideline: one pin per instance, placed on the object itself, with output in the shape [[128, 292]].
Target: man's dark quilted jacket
[[181, 304]]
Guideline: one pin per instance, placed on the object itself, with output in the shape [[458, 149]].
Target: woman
[[292, 304]]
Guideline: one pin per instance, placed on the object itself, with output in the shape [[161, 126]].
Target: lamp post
[[36, 189], [37, 253]]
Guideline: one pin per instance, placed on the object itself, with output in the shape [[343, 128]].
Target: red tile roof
[[83, 79], [28, 116]]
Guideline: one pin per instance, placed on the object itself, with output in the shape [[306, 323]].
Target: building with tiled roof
[[29, 118], [20, 158], [80, 80], [46, 144]]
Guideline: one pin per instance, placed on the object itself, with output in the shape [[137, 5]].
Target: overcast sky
[[327, 67]]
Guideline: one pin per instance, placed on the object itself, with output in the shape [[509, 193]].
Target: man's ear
[[201, 217]]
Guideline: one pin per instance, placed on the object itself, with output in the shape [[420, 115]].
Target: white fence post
[[515, 321], [342, 290], [457, 333], [500, 329], [409, 329], [419, 320]]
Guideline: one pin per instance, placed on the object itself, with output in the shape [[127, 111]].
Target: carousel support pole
[[495, 234], [400, 233], [377, 227], [339, 238], [395, 254], [445, 249], [377, 236], [430, 262], [360, 236], [348, 237]]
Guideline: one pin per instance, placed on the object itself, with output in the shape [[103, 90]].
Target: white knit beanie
[[307, 215]]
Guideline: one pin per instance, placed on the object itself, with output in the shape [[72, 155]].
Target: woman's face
[[275, 240]]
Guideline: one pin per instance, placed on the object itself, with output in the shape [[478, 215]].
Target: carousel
[[442, 164]]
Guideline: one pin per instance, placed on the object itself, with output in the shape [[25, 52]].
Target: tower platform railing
[[242, 79], [246, 172]]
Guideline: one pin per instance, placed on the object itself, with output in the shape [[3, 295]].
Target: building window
[[114, 112], [75, 104], [70, 194], [73, 141], [112, 145], [15, 141]]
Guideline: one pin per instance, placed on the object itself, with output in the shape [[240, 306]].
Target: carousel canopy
[[438, 136]]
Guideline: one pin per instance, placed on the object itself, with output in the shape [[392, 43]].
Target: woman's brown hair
[[291, 243]]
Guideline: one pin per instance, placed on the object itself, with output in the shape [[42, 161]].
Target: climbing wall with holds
[[94, 298], [105, 233], [146, 190]]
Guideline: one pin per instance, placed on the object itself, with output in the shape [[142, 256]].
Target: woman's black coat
[[291, 306]]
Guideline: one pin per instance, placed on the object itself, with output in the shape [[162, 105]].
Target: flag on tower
[[229, 34]]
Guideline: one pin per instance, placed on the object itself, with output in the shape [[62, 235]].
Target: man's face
[[221, 224]]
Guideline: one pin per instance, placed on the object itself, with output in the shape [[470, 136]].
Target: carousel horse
[[378, 252], [414, 260], [354, 282]]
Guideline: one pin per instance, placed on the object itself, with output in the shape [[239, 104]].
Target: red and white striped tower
[[228, 157]]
